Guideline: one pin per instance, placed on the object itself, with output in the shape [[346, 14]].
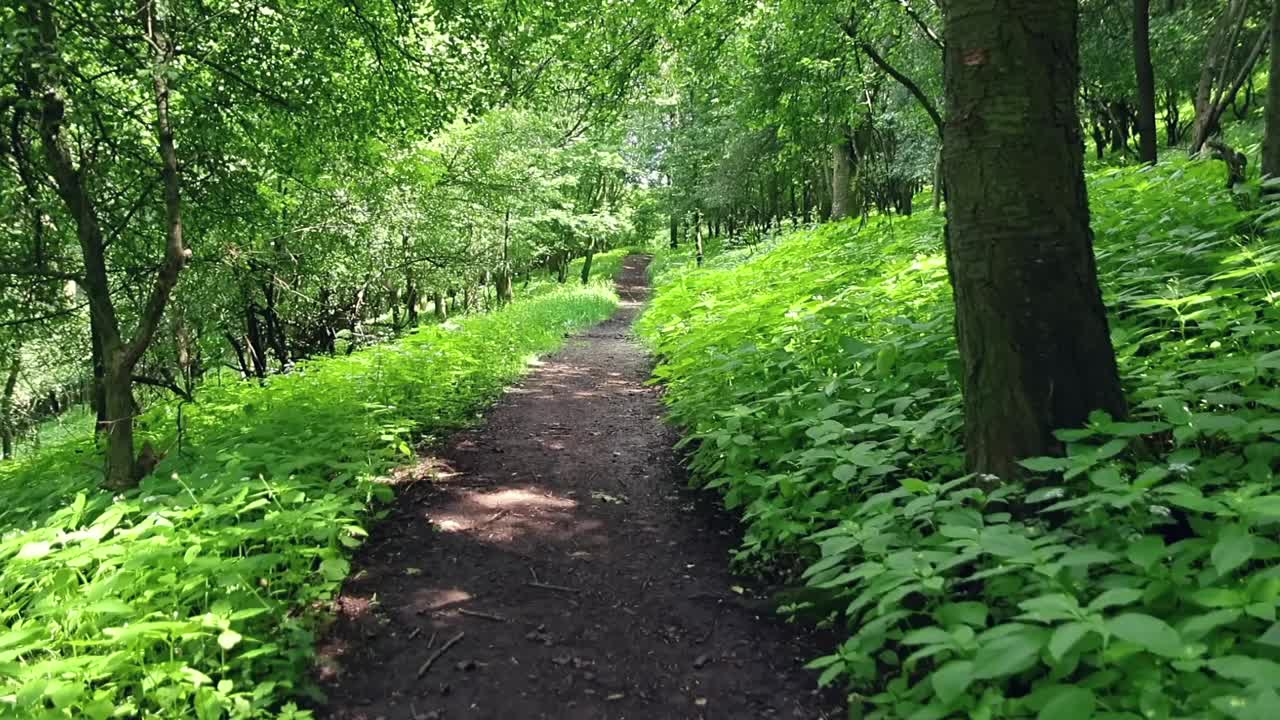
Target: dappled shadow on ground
[[546, 566]]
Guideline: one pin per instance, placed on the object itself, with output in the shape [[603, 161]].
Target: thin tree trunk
[[119, 356], [1271, 142], [841, 171], [1213, 94], [1147, 142], [586, 263], [8, 423], [1030, 323]]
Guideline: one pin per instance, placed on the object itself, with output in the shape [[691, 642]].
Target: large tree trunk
[[841, 171], [1147, 142], [1271, 142], [1030, 323]]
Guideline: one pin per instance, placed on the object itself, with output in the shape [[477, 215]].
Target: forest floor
[[554, 557]]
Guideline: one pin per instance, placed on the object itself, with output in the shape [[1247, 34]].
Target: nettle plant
[[198, 595], [1136, 576], [1128, 588]]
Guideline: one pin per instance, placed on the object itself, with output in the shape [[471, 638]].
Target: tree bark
[[586, 262], [1030, 323], [1147, 142], [841, 171], [8, 423], [119, 356], [1271, 141], [1212, 95], [441, 310]]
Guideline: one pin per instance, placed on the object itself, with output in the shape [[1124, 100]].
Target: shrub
[[1136, 577], [196, 595]]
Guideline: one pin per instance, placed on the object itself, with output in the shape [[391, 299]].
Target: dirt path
[[583, 583]]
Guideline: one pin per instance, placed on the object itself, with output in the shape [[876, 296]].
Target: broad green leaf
[[1233, 549], [1008, 655], [1153, 634], [952, 679], [1071, 703]]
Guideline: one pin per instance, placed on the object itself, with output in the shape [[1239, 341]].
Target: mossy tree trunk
[[1030, 323]]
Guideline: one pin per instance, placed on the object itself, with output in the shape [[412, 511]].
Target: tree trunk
[[841, 170], [117, 389], [118, 355], [1030, 323], [253, 334], [8, 423], [411, 303], [1172, 117], [1271, 141], [1147, 142], [1216, 89], [437, 300], [241, 360], [274, 328], [586, 263]]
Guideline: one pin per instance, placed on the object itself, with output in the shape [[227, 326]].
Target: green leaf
[[1247, 670], [34, 550], [1146, 552], [1114, 597], [334, 568], [1006, 544], [1045, 464], [1070, 703], [951, 680], [928, 636], [111, 606], [228, 639], [1153, 634], [1009, 655], [1065, 637], [1270, 637], [1233, 549]]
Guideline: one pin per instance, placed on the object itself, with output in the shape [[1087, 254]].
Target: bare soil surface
[[549, 565]]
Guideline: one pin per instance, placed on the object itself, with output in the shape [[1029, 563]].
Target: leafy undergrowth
[[197, 595], [1136, 578]]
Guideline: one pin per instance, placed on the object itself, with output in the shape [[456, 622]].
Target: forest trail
[[584, 583]]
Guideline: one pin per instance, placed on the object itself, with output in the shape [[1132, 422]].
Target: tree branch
[[164, 384], [902, 79]]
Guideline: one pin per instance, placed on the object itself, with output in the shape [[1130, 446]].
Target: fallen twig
[[549, 586], [436, 655], [416, 631], [482, 615]]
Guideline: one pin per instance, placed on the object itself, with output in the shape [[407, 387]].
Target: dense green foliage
[[1135, 578], [196, 595]]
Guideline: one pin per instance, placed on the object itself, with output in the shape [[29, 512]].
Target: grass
[[816, 384], [197, 595]]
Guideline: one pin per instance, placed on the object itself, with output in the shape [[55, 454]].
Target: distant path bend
[[556, 541]]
